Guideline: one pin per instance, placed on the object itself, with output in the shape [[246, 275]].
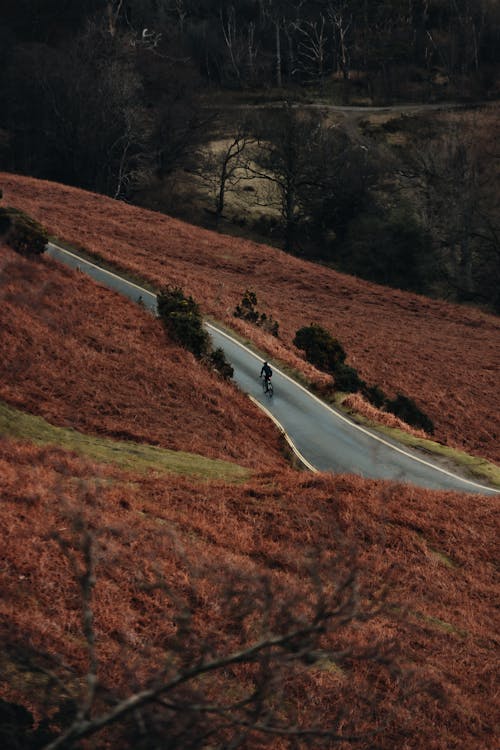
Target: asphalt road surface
[[324, 439]]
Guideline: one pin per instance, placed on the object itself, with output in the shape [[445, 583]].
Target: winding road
[[322, 438]]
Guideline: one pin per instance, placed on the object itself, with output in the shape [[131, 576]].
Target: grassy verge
[[130, 456], [475, 466]]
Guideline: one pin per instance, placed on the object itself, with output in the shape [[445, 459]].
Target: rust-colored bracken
[[437, 549], [444, 356], [84, 357]]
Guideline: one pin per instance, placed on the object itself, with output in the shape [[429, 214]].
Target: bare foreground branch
[[295, 637]]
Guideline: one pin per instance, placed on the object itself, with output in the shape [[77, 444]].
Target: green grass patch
[[136, 457]]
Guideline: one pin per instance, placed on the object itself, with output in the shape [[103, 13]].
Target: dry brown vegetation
[[435, 548], [444, 356], [81, 356]]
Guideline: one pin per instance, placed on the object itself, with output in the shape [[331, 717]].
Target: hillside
[[186, 569], [444, 356], [81, 356], [168, 546]]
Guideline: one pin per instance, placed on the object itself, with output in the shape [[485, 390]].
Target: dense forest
[[116, 96]]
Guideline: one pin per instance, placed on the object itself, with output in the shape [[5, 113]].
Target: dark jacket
[[266, 371]]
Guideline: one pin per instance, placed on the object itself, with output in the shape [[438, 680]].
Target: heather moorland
[[443, 355], [432, 682], [419, 672]]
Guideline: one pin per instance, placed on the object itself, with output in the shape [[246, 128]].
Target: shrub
[[219, 361], [375, 395], [182, 318], [320, 348], [22, 233], [407, 410], [247, 311], [347, 379]]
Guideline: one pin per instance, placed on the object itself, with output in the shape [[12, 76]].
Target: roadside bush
[[219, 361], [320, 348], [22, 233], [328, 354], [375, 395], [407, 410], [182, 318], [246, 310], [347, 379]]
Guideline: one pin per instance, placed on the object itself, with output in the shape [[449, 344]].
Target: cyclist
[[267, 374]]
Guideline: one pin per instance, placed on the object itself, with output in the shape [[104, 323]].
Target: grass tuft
[[128, 455]]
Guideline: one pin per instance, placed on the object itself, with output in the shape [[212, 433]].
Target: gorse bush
[[21, 232], [219, 361], [347, 379], [375, 395], [407, 410], [328, 355], [246, 310], [401, 406], [182, 318], [320, 348]]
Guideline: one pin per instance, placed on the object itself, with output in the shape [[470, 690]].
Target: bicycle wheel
[[270, 389]]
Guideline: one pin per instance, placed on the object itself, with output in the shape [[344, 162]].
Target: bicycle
[[267, 386]]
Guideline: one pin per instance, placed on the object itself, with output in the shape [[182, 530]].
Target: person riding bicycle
[[266, 373]]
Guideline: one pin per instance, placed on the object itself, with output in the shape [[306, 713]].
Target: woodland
[[132, 98]]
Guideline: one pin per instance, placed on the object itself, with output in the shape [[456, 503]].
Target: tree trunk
[[278, 55]]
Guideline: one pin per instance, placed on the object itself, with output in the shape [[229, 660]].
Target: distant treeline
[[94, 90], [110, 95], [237, 43]]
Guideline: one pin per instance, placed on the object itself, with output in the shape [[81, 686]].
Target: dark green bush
[[182, 318], [407, 410], [320, 348], [219, 361], [21, 232], [247, 311], [375, 395], [347, 379]]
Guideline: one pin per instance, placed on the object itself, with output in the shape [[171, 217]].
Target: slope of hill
[[184, 567], [81, 356], [168, 546], [444, 356]]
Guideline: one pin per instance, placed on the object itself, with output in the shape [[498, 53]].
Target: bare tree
[[223, 169], [312, 47], [455, 181], [341, 20], [239, 697]]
